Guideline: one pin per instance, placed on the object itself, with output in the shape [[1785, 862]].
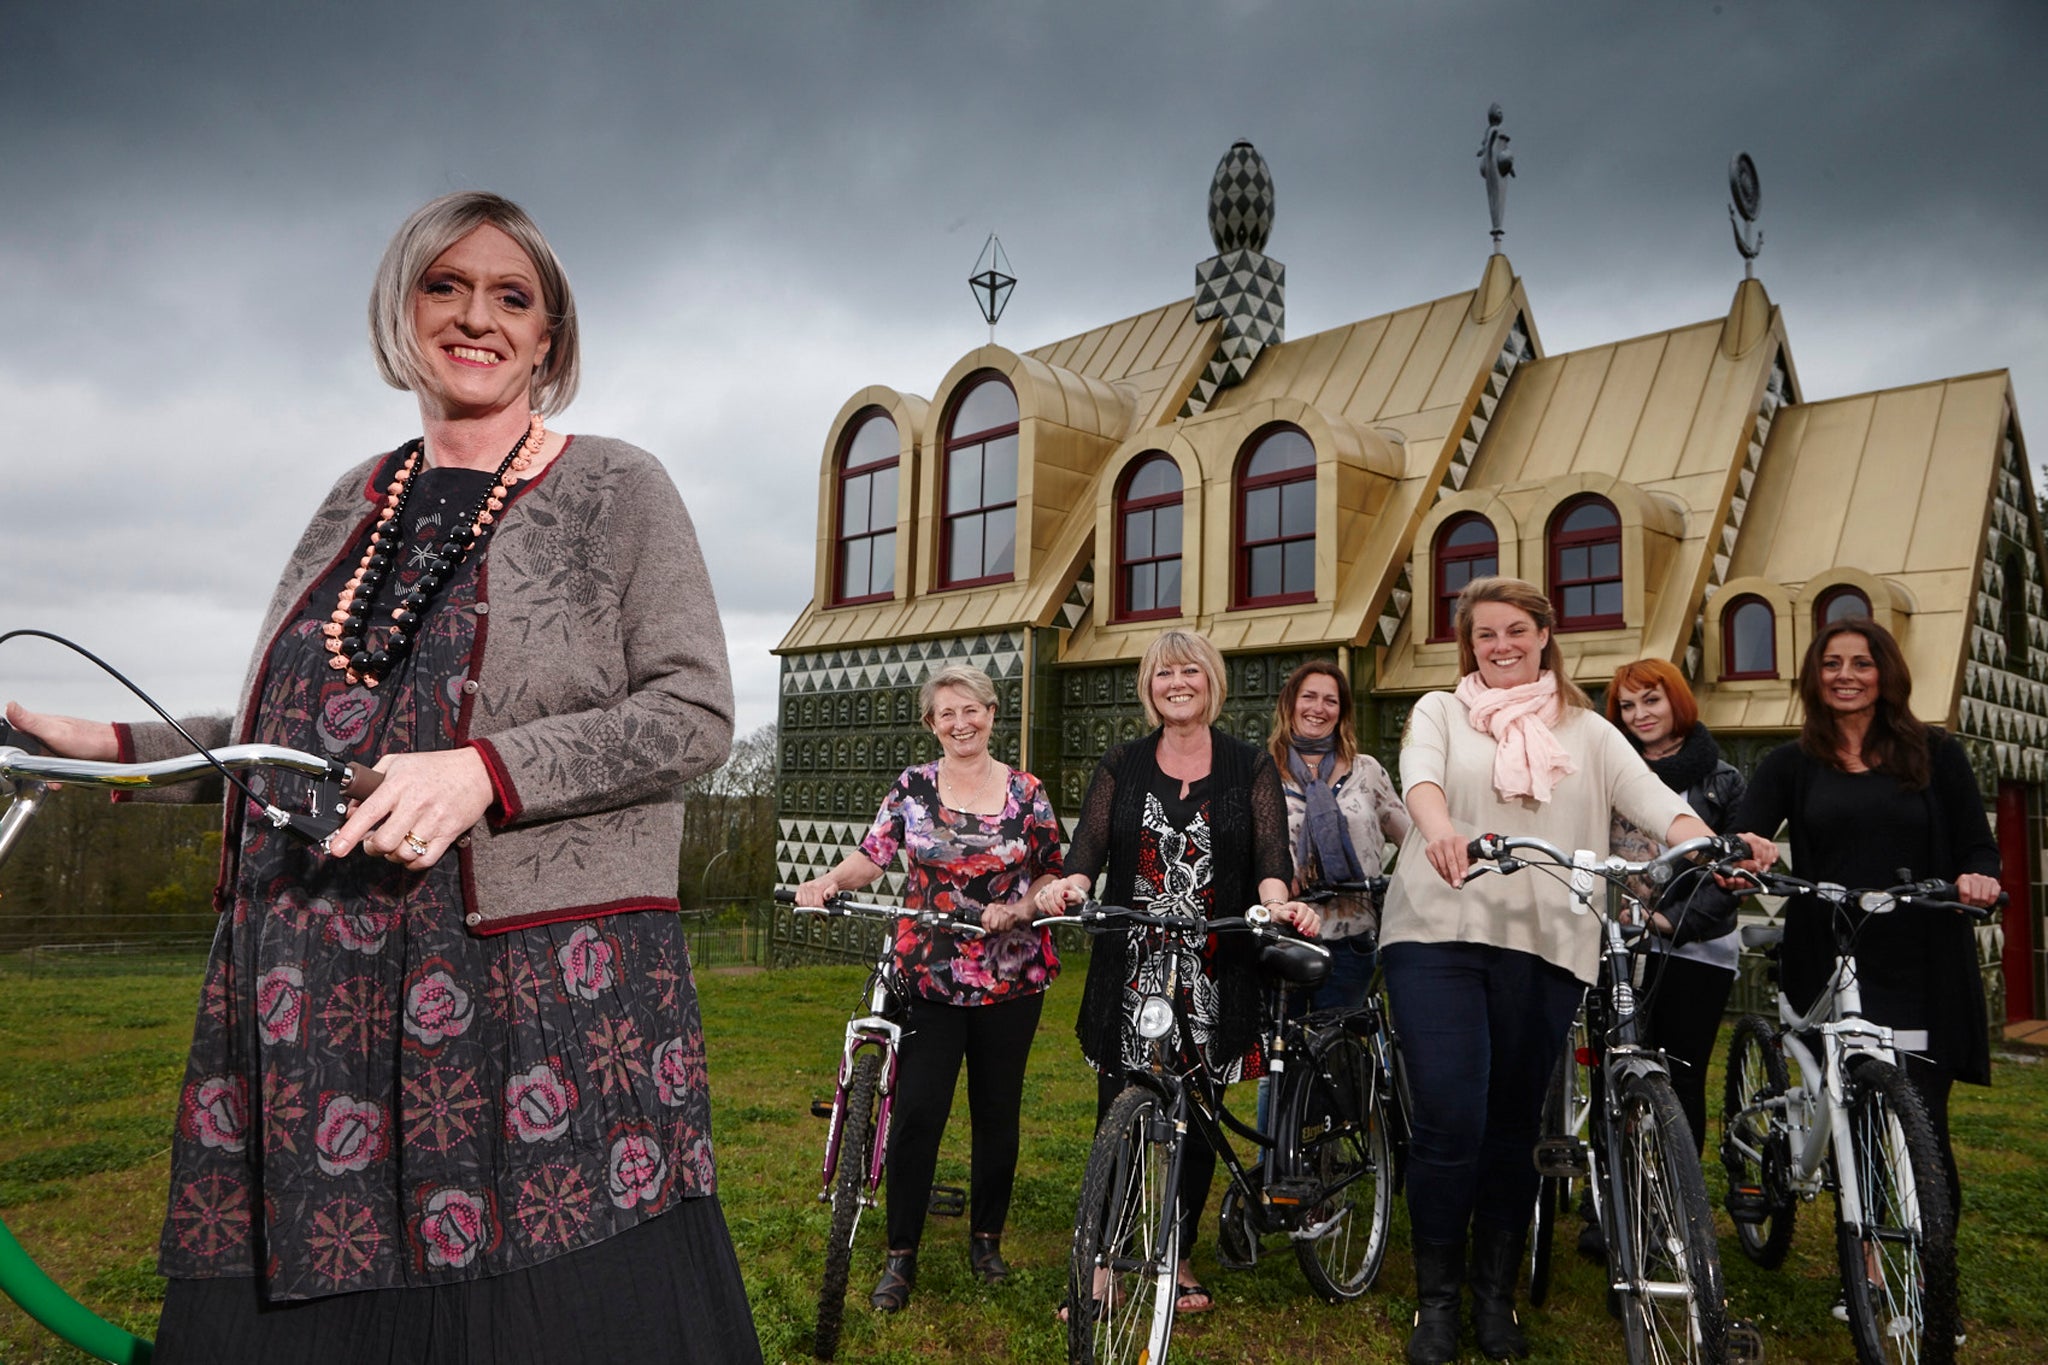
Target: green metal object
[[38, 1295]]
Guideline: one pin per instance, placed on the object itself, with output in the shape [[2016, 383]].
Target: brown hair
[[1896, 742], [1661, 674], [1283, 714], [1528, 599]]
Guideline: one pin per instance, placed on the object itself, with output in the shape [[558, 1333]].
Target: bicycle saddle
[[1295, 962]]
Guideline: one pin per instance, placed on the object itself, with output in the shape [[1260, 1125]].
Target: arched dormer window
[[1467, 547], [1148, 540], [864, 561], [1749, 639], [1276, 520], [1843, 600], [978, 534], [1585, 564]]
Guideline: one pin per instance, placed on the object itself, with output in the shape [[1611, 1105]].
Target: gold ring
[[415, 846]]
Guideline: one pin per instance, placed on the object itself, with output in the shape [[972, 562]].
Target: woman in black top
[[1186, 818], [1868, 791]]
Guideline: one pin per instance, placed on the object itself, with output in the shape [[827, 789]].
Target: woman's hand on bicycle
[[426, 803], [1057, 895], [1303, 917], [997, 918], [1974, 888], [1763, 856], [66, 736]]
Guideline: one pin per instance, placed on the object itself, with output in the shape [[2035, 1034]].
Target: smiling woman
[[441, 1106]]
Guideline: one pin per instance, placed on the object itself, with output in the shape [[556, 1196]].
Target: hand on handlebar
[[1303, 917], [1974, 888], [1055, 897], [426, 803], [66, 736], [1450, 855], [997, 918], [1763, 856]]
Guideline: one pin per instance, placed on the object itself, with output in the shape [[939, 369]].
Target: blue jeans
[[1481, 1028], [1352, 963]]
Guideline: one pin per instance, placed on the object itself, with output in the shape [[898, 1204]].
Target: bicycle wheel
[[1661, 1245], [1120, 1278], [1341, 1127], [1899, 1264], [1754, 1148], [849, 1185]]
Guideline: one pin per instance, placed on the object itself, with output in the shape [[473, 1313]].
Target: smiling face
[[1507, 644], [1316, 707], [961, 722], [1849, 681], [1646, 714], [1180, 693], [482, 327]]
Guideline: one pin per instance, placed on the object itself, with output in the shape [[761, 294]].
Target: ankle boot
[[1496, 1266], [1439, 1281]]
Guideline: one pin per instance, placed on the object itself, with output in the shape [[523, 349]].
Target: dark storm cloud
[[766, 206]]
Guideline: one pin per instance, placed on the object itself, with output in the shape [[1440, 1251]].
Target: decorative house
[[1043, 513]]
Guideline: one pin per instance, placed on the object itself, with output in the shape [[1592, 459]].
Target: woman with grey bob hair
[[446, 1098]]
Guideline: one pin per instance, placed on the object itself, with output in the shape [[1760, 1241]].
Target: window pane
[[1144, 579], [1137, 535], [1846, 604], [1298, 508], [882, 566], [999, 553], [965, 560], [1578, 603], [1265, 572], [1284, 449], [1300, 572], [989, 404], [1607, 599], [1169, 583], [882, 501], [853, 506], [1485, 568], [1166, 529], [1261, 514], [1457, 573], [1571, 563], [1606, 560], [1470, 532], [873, 442], [1589, 516], [1752, 629], [963, 479], [1157, 477], [853, 569], [999, 471]]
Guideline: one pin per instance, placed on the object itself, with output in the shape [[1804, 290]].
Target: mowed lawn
[[92, 1064]]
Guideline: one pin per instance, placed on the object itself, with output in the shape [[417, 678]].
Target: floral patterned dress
[[377, 1098], [960, 862]]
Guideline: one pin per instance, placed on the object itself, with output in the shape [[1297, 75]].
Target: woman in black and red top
[[977, 837]]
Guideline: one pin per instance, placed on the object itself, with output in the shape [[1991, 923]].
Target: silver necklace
[[975, 797]]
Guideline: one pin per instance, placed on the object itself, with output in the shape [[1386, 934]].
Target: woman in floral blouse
[[977, 837]]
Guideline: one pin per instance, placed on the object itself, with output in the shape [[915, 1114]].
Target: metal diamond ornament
[[992, 282]]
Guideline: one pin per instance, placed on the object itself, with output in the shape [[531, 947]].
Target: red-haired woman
[[1868, 789]]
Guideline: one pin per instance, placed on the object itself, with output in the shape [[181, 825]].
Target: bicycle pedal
[[1745, 1343], [948, 1201], [1560, 1158], [821, 1109], [1747, 1205], [1288, 1194]]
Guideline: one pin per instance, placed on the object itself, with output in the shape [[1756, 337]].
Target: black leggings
[[1197, 1161], [995, 1042]]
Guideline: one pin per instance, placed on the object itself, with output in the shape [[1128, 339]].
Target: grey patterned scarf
[[1325, 840]]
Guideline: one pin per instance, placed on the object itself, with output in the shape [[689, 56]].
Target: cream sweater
[[1527, 911]]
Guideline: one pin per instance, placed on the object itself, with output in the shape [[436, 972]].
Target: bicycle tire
[[849, 1187], [1908, 1231], [1127, 1229], [1340, 1126], [1756, 1073], [1661, 1232]]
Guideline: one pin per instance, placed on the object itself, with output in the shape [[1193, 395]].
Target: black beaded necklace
[[348, 626]]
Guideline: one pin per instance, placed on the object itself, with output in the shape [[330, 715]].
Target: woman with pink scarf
[[1483, 981]]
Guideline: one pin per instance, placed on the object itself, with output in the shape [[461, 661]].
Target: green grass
[[93, 1062]]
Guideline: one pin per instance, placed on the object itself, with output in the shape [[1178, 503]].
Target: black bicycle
[[1325, 1177]]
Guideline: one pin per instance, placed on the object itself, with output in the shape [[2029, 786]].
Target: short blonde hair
[[972, 681], [1182, 647], [419, 242]]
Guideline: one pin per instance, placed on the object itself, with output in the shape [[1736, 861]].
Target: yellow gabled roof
[[1149, 353]]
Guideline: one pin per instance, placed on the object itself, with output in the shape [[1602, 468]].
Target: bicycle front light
[[1876, 902], [1155, 1018]]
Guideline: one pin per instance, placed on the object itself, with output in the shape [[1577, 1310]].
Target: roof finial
[[992, 282], [1744, 196], [1241, 200], [1495, 165]]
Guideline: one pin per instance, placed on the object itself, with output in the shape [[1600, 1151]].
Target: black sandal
[[899, 1277], [985, 1258]]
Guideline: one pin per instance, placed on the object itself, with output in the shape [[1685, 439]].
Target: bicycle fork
[[876, 1032]]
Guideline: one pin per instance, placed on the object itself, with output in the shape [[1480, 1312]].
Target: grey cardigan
[[597, 685]]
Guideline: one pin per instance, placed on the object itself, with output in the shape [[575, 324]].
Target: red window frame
[[1730, 671], [840, 538], [1444, 595], [1827, 600], [1149, 506], [1243, 549], [1565, 545], [957, 441]]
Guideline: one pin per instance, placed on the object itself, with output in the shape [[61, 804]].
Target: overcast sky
[[766, 206]]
